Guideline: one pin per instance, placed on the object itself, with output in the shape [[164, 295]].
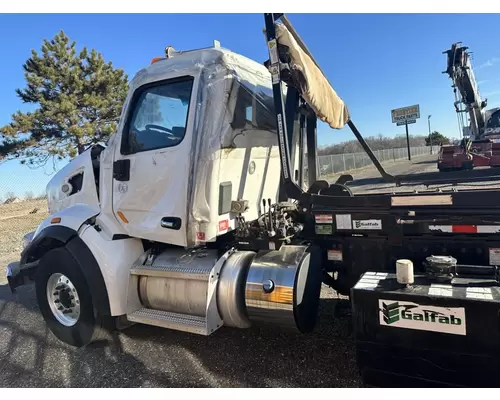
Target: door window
[[159, 117]]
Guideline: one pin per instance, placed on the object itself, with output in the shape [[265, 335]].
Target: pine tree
[[436, 138], [79, 98]]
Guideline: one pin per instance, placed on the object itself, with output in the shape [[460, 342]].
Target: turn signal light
[[122, 217]]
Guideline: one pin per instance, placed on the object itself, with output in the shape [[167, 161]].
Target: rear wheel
[[65, 301]]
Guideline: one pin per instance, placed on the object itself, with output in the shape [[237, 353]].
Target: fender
[[55, 236], [115, 258], [104, 261], [48, 238], [49, 235], [72, 217]]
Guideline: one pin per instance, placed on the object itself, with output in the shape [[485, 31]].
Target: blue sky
[[376, 62]]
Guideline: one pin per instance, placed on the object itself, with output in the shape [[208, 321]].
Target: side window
[[160, 116], [254, 107]]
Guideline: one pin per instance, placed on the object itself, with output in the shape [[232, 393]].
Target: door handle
[[171, 223]]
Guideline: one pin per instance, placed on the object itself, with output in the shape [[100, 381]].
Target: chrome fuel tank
[[283, 287]]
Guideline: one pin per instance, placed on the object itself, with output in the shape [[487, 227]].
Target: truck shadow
[[269, 357], [144, 356]]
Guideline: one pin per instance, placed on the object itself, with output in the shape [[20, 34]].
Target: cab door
[[151, 167]]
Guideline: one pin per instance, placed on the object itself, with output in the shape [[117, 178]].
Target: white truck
[[146, 229], [197, 215]]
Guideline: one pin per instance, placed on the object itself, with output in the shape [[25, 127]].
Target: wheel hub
[[63, 299]]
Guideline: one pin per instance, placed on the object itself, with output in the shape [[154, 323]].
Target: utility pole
[[430, 136], [408, 141]]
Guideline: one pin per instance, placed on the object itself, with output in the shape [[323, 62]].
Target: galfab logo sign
[[408, 315], [367, 224], [390, 312]]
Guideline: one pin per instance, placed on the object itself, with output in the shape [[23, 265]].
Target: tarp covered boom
[[314, 86]]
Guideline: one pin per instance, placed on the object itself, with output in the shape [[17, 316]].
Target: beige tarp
[[316, 89]]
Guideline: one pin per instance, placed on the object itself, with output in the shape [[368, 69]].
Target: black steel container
[[429, 334]]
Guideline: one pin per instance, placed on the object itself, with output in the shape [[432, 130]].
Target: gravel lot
[[143, 356]]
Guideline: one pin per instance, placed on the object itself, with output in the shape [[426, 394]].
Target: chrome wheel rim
[[63, 299]]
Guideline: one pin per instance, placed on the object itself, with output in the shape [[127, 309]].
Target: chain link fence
[[333, 164]]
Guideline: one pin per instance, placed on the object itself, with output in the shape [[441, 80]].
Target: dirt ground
[[16, 220]]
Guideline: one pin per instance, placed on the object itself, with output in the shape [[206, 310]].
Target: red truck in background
[[479, 147], [480, 153]]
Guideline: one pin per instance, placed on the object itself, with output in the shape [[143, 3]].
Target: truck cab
[[197, 131], [143, 229]]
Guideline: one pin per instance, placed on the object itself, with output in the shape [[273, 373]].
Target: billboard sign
[[405, 114]]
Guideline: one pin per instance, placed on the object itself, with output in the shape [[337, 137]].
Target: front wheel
[[65, 301]]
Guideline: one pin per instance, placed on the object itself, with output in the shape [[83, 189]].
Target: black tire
[[89, 326]]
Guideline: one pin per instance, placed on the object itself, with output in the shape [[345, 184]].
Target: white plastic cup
[[404, 272]]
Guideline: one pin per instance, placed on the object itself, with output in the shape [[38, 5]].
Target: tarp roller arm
[[318, 94], [291, 188]]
